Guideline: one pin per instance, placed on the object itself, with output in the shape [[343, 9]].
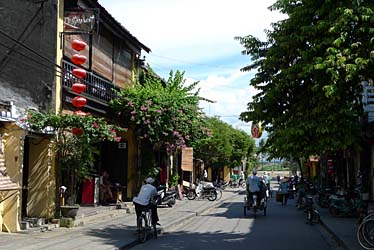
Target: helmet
[[254, 171], [150, 180]]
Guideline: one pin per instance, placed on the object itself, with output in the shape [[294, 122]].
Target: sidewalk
[[342, 229], [114, 233]]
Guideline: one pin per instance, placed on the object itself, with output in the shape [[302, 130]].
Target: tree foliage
[[226, 147], [309, 74], [163, 113]]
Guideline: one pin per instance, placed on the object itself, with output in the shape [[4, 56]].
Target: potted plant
[[75, 137], [365, 193]]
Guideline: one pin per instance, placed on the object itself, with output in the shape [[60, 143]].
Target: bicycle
[[144, 225], [365, 232]]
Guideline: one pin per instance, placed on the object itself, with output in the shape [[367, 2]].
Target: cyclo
[[256, 201]]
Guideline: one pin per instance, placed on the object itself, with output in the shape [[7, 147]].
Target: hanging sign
[[80, 20]]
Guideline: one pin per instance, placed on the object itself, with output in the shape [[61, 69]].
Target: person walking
[[283, 190]]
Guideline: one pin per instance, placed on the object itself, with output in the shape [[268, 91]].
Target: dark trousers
[[284, 199], [139, 208]]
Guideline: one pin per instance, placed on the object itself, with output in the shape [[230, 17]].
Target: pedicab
[[258, 202]]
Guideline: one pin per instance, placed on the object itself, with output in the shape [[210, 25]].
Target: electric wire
[[30, 49], [32, 59]]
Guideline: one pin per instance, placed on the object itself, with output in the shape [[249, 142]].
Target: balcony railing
[[97, 87]]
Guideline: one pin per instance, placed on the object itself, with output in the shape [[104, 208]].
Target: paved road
[[225, 227]]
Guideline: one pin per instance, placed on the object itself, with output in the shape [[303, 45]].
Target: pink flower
[[158, 111], [133, 112], [175, 133], [142, 108], [95, 125], [131, 104], [117, 138]]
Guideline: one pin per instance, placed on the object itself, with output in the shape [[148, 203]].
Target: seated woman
[[105, 188]]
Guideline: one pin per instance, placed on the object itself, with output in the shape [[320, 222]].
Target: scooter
[[166, 197]]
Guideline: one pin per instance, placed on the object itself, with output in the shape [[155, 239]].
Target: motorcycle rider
[[253, 186], [145, 199]]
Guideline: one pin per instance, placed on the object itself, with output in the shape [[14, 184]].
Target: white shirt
[[147, 192], [253, 182]]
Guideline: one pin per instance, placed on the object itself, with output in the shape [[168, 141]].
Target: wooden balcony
[[99, 92]]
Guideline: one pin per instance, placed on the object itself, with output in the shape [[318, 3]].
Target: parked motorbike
[[166, 197], [237, 183], [201, 191], [322, 197]]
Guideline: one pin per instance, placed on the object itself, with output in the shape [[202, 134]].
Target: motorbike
[[202, 191], [252, 203], [237, 183], [312, 213], [166, 197], [322, 197]]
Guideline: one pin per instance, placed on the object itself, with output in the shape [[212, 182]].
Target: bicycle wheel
[[368, 231], [361, 240], [142, 228]]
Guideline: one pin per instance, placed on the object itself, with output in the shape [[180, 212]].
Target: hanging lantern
[[77, 131], [80, 113], [78, 87], [78, 45], [79, 101], [78, 59], [79, 73]]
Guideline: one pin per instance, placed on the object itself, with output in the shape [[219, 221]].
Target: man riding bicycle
[[144, 200]]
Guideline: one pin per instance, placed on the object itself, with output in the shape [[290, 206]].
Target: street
[[226, 227]]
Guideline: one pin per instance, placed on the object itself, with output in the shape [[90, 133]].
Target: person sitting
[[105, 188], [144, 200], [253, 186]]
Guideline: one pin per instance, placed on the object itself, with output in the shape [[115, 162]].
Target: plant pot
[[69, 211], [365, 196]]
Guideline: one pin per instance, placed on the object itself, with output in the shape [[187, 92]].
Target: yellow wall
[[1, 214], [210, 171], [41, 186], [59, 54], [131, 162], [226, 174], [13, 141]]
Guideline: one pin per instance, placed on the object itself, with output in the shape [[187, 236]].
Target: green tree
[[309, 74], [226, 146], [164, 114]]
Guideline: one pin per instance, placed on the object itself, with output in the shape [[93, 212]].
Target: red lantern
[[78, 45], [79, 73], [77, 131], [79, 101], [80, 112], [78, 87], [78, 59]]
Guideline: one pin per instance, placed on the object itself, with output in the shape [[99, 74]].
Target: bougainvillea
[[164, 113]]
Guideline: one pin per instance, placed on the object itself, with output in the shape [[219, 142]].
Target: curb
[[334, 235], [181, 221]]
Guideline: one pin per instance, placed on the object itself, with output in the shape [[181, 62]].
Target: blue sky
[[197, 37]]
